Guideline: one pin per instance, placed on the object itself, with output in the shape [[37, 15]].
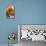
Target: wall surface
[[27, 12]]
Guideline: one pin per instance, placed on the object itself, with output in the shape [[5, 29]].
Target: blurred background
[[26, 12]]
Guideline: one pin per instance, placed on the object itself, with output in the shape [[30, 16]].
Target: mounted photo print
[[32, 32], [10, 12]]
